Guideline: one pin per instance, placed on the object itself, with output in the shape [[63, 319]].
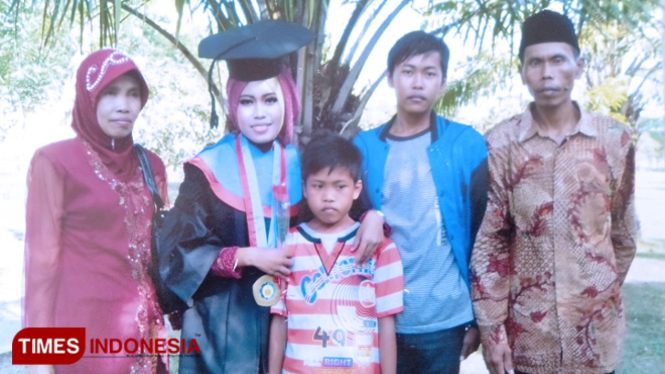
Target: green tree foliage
[[174, 122], [482, 76], [327, 86], [620, 40], [622, 66], [34, 76], [496, 20], [27, 71], [327, 74]]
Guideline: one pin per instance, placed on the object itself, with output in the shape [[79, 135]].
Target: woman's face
[[260, 112], [118, 106]]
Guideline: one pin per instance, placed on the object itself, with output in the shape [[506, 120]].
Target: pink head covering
[[96, 72], [235, 87]]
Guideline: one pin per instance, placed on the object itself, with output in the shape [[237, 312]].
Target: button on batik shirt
[[555, 245]]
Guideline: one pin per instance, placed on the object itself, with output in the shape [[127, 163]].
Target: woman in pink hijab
[[88, 218]]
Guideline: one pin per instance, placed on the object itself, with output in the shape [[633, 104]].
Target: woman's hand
[[271, 261], [175, 319]]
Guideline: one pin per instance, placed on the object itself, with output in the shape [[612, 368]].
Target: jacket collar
[[432, 126], [529, 128]]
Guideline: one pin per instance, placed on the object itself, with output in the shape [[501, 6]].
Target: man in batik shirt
[[559, 232]]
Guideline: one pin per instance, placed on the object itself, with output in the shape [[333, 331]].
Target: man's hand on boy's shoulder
[[369, 237]]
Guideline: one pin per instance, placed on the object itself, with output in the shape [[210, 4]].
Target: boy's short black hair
[[417, 43], [329, 150]]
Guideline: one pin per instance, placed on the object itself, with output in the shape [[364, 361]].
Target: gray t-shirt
[[436, 296]]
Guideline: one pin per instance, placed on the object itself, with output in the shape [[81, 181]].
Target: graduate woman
[[222, 233]]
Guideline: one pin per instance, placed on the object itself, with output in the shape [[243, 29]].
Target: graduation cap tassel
[[214, 118]]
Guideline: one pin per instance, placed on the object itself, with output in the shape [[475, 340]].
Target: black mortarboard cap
[[548, 26], [253, 52]]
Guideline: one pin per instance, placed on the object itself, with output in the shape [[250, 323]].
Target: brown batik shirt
[[555, 244]]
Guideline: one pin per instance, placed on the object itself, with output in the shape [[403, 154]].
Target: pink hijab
[[87, 238], [95, 73], [235, 87]]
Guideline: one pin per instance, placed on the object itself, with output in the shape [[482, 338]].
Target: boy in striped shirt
[[335, 317]]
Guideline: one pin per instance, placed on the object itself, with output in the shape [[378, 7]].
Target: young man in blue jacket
[[428, 175]]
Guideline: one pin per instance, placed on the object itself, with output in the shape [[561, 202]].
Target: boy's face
[[330, 194], [550, 70], [418, 82]]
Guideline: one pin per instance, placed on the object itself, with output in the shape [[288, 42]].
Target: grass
[[657, 256], [651, 246], [644, 347]]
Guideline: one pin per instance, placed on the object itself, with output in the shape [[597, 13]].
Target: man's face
[[550, 70], [418, 81]]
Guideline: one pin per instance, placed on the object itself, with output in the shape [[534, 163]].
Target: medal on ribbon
[[267, 290]]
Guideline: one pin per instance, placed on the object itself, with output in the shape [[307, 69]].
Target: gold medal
[[266, 290]]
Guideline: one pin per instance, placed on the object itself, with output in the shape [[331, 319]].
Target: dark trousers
[[431, 353]]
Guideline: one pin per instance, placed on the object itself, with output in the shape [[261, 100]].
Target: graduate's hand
[[499, 358], [369, 237], [175, 319], [470, 343], [271, 261]]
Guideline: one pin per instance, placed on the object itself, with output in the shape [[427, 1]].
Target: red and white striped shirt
[[332, 305]]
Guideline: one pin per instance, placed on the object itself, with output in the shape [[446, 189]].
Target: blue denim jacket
[[458, 158]]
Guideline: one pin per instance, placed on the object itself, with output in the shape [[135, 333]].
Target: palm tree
[[609, 30], [326, 85]]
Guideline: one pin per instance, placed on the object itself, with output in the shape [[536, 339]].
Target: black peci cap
[[547, 26], [256, 51]]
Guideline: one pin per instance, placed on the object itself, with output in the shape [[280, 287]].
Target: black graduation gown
[[231, 330]]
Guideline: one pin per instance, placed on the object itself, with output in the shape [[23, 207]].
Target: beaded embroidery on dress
[[137, 203]]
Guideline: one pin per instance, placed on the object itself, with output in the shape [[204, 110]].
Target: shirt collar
[[432, 126], [529, 128]]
